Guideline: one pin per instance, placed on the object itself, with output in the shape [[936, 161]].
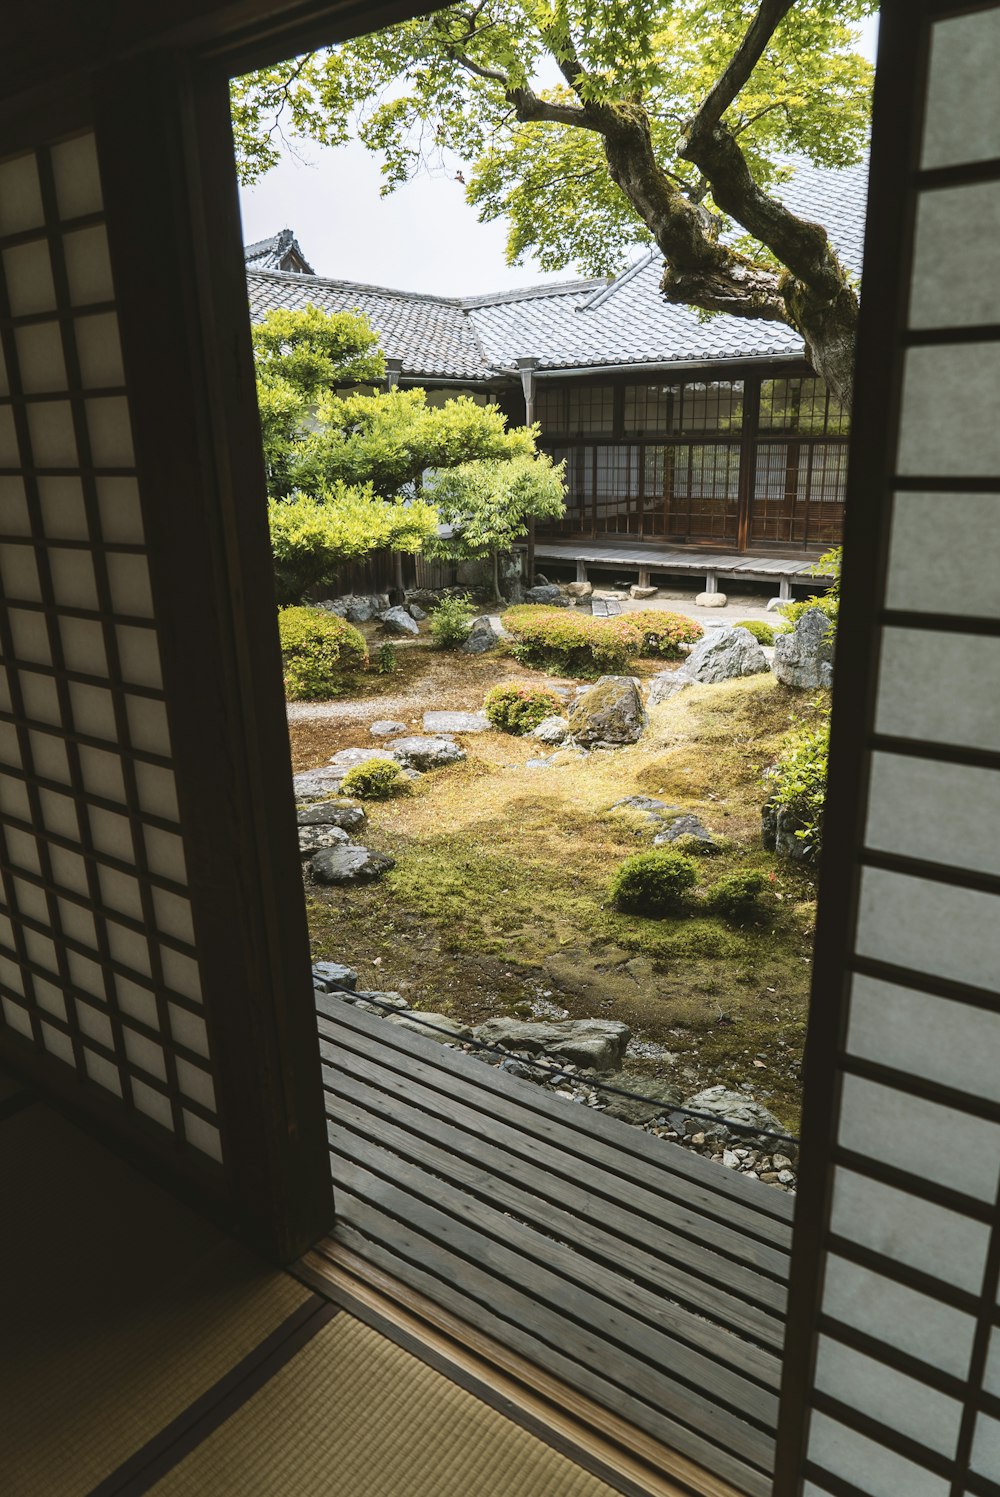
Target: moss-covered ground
[[498, 901]]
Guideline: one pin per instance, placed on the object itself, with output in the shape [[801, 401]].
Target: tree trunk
[[496, 575]]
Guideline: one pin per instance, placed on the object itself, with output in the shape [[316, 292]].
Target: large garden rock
[[548, 593], [318, 784], [312, 838], [688, 826], [357, 608], [551, 730], [724, 655], [657, 1097], [580, 589], [350, 758], [666, 685], [482, 636], [737, 1107], [349, 865], [329, 976], [599, 1043], [440, 1027], [425, 751], [778, 828], [344, 814], [804, 658], [609, 714], [398, 621], [456, 722]]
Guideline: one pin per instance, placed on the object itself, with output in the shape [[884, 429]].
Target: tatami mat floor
[[143, 1351]]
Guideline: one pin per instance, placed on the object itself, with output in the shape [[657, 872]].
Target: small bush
[[518, 709], [570, 643], [376, 779], [664, 633], [800, 782], [737, 897], [386, 661], [653, 883], [762, 633], [825, 602], [321, 653], [450, 622]]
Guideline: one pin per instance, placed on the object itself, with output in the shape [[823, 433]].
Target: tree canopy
[[593, 126], [351, 471]]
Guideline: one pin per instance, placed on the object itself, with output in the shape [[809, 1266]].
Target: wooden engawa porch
[[634, 1281]]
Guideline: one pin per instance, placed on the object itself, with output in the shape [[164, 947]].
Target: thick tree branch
[[769, 16]]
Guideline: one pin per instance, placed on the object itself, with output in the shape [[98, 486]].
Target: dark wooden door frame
[[896, 122]]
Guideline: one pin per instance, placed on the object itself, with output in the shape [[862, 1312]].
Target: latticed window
[[715, 406], [801, 404], [591, 408], [550, 408]]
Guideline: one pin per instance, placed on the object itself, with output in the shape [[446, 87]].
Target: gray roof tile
[[574, 324]]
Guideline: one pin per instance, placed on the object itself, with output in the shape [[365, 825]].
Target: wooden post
[[581, 569], [643, 576], [711, 581]]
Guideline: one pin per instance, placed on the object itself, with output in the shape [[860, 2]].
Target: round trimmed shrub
[[321, 653], [376, 779], [518, 709], [737, 896], [763, 633], [664, 633], [571, 643], [653, 883]]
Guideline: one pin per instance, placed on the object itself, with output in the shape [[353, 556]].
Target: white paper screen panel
[[905, 1393], [98, 962]]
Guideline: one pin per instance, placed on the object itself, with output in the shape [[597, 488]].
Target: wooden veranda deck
[[647, 561], [642, 1275]]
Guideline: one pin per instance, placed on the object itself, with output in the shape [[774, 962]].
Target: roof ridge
[[324, 280], [532, 293], [600, 297]]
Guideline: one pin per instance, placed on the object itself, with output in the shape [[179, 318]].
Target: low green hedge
[[573, 644], [653, 883], [762, 632], [663, 633], [376, 779], [738, 896], [518, 709], [321, 653]]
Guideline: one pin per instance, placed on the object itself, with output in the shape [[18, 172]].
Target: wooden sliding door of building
[[892, 1368], [154, 966]]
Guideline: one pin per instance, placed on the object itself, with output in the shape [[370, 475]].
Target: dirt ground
[[498, 901]]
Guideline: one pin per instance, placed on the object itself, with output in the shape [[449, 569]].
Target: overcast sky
[[424, 237]]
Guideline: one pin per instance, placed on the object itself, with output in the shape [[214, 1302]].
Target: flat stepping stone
[[426, 751], [456, 722], [313, 838], [386, 728], [344, 814], [349, 865]]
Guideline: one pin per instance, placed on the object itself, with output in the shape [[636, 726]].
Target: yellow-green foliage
[[321, 653], [574, 644], [517, 709], [376, 779], [761, 631], [663, 633]]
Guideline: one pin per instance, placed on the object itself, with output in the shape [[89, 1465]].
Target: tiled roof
[[281, 252], [575, 324]]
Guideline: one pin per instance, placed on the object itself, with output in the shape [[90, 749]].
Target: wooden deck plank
[[493, 1278], [634, 1159], [519, 1132], [745, 1379], [723, 563], [553, 1204], [650, 1279], [400, 1251], [662, 1228]]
